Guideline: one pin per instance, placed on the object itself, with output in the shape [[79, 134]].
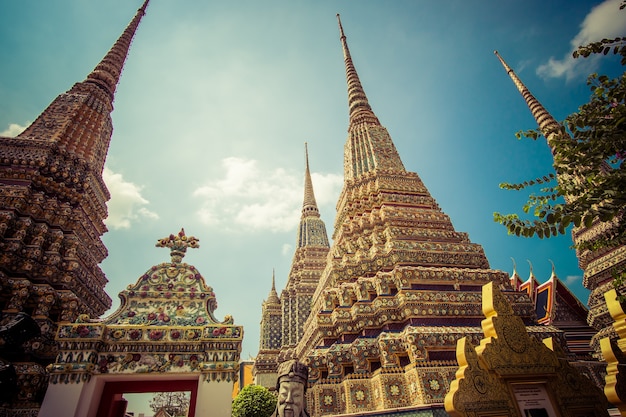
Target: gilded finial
[[178, 244]]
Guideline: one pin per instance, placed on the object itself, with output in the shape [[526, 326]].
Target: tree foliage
[[604, 46], [175, 403], [254, 401], [589, 153]]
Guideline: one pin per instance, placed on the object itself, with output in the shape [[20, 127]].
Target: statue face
[[290, 399]]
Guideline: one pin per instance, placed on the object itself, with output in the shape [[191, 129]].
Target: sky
[[217, 99]]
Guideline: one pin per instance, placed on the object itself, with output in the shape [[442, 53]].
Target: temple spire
[[312, 230], [273, 296], [309, 206], [369, 146], [79, 121], [360, 110], [107, 73], [547, 124]]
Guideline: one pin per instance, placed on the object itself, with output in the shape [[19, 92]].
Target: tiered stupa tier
[[598, 265], [401, 285], [52, 207]]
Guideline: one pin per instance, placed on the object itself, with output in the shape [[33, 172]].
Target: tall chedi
[[265, 364], [598, 265], [52, 207], [400, 287], [307, 265]]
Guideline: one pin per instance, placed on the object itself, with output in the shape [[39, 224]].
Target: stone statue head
[[291, 387]]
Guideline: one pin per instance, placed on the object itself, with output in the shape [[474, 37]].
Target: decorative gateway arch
[[164, 337]]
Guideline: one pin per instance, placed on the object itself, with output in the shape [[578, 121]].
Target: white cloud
[[126, 204], [255, 199], [603, 21], [286, 249], [326, 188], [14, 130], [572, 279]]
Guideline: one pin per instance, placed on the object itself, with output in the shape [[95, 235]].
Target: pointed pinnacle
[[309, 206], [273, 296], [360, 110], [547, 124], [273, 279], [532, 275], [107, 73], [553, 269]]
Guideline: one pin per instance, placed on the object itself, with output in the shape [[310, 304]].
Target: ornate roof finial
[[309, 206], [178, 245], [360, 110], [107, 73], [547, 124], [553, 272], [532, 275], [515, 280]]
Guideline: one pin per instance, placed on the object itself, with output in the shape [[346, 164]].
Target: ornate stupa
[[294, 306], [52, 207], [266, 361], [400, 287], [307, 265], [164, 332], [598, 265]]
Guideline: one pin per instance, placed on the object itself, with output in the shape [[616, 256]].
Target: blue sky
[[217, 99]]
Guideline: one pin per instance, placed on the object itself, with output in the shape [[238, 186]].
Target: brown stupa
[[52, 207], [598, 265], [400, 287]]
